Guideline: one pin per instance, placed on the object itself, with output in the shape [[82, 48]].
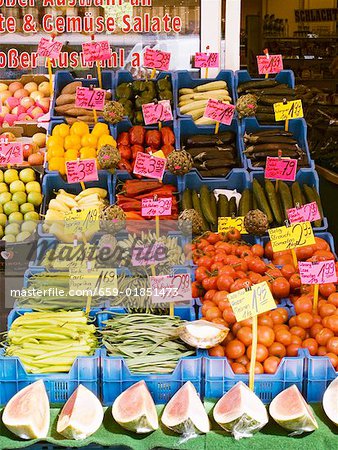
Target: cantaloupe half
[[240, 411], [135, 409], [27, 414], [81, 416], [330, 401], [290, 411], [185, 413]]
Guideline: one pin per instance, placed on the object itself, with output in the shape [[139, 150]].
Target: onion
[[203, 334]]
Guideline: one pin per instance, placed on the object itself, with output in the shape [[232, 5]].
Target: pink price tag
[[321, 272], [220, 112], [156, 59], [81, 170], [11, 153], [149, 166], [305, 213], [157, 112], [96, 51], [280, 168], [171, 288], [148, 255], [90, 98], [160, 207], [49, 49], [269, 64], [206, 60]]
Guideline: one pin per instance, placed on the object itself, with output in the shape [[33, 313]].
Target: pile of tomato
[[226, 264]]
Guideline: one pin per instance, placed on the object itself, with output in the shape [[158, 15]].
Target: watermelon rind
[[330, 401]]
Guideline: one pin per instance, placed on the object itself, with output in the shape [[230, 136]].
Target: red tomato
[[280, 287], [236, 327], [213, 313], [233, 235], [268, 250], [266, 335], [220, 295], [207, 305], [227, 270], [288, 270], [327, 310], [209, 283], [303, 304], [254, 277], [332, 323], [264, 319], [312, 345], [243, 360], [196, 289], [324, 335], [293, 321], [305, 320], [332, 345], [202, 243], [262, 352], [258, 368], [216, 266], [213, 238], [218, 350], [284, 337], [292, 349], [274, 272], [238, 368], [210, 294], [257, 250], [201, 273], [295, 281], [224, 282], [296, 340], [257, 265], [298, 331], [234, 349], [241, 283], [315, 329], [271, 364], [228, 315], [245, 335], [321, 350], [277, 349], [327, 289], [333, 298], [276, 316], [333, 358]]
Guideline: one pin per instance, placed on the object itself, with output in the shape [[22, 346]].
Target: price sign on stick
[[288, 110], [171, 288], [96, 51], [226, 223], [160, 207], [82, 221], [81, 170], [149, 166], [156, 59], [297, 235], [317, 272], [11, 153], [269, 64], [157, 112], [305, 213], [203, 60], [49, 48], [280, 168], [90, 98], [220, 112]]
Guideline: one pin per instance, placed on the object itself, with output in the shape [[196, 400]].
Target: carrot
[[133, 216]]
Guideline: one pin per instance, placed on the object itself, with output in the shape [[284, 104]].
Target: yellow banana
[[59, 206], [63, 192], [90, 191], [68, 201]]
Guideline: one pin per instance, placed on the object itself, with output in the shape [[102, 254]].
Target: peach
[[44, 104], [3, 87], [15, 86], [5, 110], [31, 87], [37, 95], [4, 96], [27, 102], [20, 93], [45, 88], [36, 112]]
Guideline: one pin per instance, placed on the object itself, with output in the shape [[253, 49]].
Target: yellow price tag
[[159, 154], [289, 110], [298, 235], [87, 220], [226, 223], [98, 283], [249, 303]]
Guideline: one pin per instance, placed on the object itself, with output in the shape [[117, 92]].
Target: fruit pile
[[138, 139], [20, 199], [68, 143], [33, 151], [22, 103]]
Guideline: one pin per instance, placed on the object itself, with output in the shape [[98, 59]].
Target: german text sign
[[297, 235], [11, 153], [220, 112], [49, 49], [171, 288], [82, 221], [81, 170], [156, 59], [226, 223], [320, 272], [90, 98], [159, 207], [280, 168], [96, 51], [288, 110], [157, 112], [149, 166], [206, 60], [269, 64], [305, 213]]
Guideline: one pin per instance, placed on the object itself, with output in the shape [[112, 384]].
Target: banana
[[90, 199], [54, 215], [59, 206], [63, 192], [68, 201], [90, 191]]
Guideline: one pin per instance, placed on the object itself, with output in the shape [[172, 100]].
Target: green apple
[[5, 197], [10, 207], [33, 186], [29, 226], [32, 215], [12, 228], [26, 207], [9, 238], [11, 175], [3, 219], [27, 175], [19, 197], [15, 217], [34, 198], [3, 187], [22, 236], [17, 186]]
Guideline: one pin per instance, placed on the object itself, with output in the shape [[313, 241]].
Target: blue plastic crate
[[186, 79], [284, 77], [186, 128], [220, 378], [296, 126], [318, 374], [64, 77], [304, 176], [237, 179]]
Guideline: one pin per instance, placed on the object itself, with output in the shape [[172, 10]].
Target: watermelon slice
[[240, 412], [81, 416], [27, 414], [330, 401], [290, 411], [185, 413], [135, 409]]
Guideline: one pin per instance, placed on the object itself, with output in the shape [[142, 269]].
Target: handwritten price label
[[96, 51], [289, 110], [285, 238], [160, 207], [49, 49], [249, 303], [206, 60], [157, 112], [84, 170], [220, 112], [305, 213], [269, 64], [11, 153], [156, 59], [100, 283], [317, 272], [149, 166], [82, 221], [171, 288], [226, 223], [280, 168], [90, 98], [147, 255]]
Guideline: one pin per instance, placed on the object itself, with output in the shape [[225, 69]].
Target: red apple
[[20, 93], [27, 102]]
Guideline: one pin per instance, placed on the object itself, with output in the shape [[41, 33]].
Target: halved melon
[[27, 414], [135, 409], [290, 411], [240, 411], [185, 412], [81, 416], [330, 401]]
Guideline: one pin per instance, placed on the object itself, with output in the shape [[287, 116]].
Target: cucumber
[[312, 195], [197, 207], [223, 206], [245, 203], [261, 199], [186, 199], [285, 196], [213, 206], [232, 207], [206, 206], [273, 200], [296, 194]]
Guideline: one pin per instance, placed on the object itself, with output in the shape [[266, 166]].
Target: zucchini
[[197, 207], [261, 199], [274, 202], [212, 86], [193, 105], [206, 206], [285, 196], [187, 200], [245, 203]]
